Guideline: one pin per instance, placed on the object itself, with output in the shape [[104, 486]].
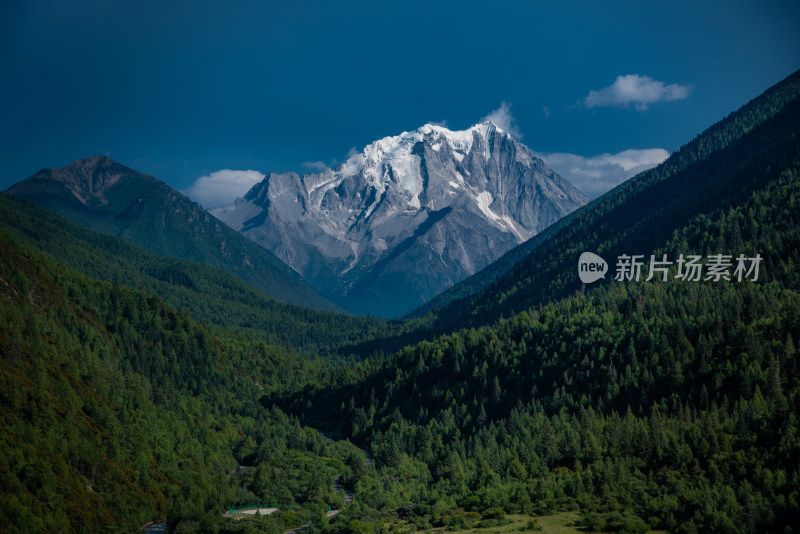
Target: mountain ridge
[[106, 196]]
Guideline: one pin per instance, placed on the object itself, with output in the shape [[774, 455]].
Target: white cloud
[[350, 153], [503, 118], [637, 90], [221, 188], [596, 175], [318, 166]]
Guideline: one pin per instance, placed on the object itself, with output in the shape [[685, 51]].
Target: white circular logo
[[591, 267]]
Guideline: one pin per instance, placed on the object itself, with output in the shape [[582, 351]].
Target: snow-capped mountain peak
[[392, 158], [426, 207]]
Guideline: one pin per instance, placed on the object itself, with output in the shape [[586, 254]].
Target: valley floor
[[560, 523]]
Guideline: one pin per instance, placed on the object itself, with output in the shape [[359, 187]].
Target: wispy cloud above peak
[[221, 188], [503, 118], [317, 166], [641, 91]]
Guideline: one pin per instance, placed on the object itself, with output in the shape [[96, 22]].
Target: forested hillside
[[117, 410], [663, 404], [209, 294]]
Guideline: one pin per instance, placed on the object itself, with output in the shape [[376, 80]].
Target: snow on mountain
[[406, 218]]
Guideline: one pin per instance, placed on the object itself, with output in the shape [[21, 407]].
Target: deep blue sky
[[183, 89]]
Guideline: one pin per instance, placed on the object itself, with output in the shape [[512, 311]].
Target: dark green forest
[[136, 388], [117, 410], [673, 403]]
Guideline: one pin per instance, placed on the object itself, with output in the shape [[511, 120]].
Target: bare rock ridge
[[406, 218]]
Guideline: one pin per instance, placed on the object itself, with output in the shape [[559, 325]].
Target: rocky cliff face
[[408, 217]]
